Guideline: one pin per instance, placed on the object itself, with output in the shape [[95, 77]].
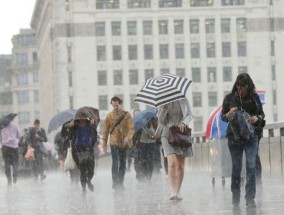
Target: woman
[[243, 96], [83, 135], [175, 113]]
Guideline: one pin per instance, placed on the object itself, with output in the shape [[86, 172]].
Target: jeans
[[118, 165], [236, 150]]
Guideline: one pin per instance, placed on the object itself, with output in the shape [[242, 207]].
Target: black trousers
[[11, 158], [38, 163]]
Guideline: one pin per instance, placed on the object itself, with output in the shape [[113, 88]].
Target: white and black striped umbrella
[[163, 89]]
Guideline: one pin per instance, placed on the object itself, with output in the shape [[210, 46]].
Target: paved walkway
[[56, 195]]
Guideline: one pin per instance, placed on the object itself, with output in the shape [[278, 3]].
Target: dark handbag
[[84, 157], [241, 125], [177, 138]]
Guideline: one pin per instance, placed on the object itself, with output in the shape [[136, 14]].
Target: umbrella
[[60, 118], [216, 127], [5, 120], [142, 118], [88, 113], [163, 89]]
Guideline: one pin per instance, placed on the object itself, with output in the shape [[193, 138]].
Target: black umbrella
[[60, 118], [5, 120]]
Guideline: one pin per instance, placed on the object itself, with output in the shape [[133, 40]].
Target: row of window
[[22, 58], [163, 27], [164, 51], [22, 78], [25, 116], [23, 97], [114, 4], [149, 73]]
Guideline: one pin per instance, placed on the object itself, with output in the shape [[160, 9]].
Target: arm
[[130, 125], [44, 137], [105, 133]]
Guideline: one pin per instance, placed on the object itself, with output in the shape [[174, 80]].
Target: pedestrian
[[36, 137], [83, 136], [25, 166], [243, 96], [119, 127], [174, 113], [10, 136]]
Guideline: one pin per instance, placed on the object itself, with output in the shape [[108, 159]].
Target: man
[[36, 137], [120, 127], [10, 137]]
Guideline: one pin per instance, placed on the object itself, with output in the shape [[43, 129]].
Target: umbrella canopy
[[163, 89], [216, 127], [5, 120], [88, 113], [142, 118], [60, 118]]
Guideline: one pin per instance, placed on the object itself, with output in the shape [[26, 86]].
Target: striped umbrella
[[163, 89]]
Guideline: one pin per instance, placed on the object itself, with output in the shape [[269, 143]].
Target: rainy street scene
[[124, 107]]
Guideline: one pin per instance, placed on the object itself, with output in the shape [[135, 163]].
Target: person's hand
[[181, 127], [231, 113], [126, 141], [71, 124], [254, 119], [103, 146]]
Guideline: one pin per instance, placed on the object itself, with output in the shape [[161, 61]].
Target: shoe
[[42, 177], [91, 187], [9, 182], [178, 198], [173, 198], [84, 189], [14, 180], [251, 204]]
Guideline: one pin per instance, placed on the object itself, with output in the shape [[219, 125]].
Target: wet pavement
[[56, 195]]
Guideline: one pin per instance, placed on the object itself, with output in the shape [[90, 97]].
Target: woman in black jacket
[[243, 96]]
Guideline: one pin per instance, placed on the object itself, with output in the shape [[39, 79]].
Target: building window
[[201, 3], [102, 78], [180, 72], [116, 52], [35, 77], [195, 50], [179, 48], [210, 50], [241, 25], [226, 49], [103, 102], [101, 53], [132, 52], [225, 25], [100, 29], [139, 3], [148, 52], [178, 25], [36, 96], [22, 59], [164, 51], [107, 4], [210, 26], [272, 45], [34, 57], [70, 78], [197, 99], [36, 114], [273, 72], [149, 73], [163, 27], [232, 2], [212, 99], [170, 3], [23, 97], [242, 49], [115, 28], [131, 28], [69, 53], [117, 77], [198, 122], [164, 71], [133, 104], [147, 27], [22, 78], [133, 77], [211, 74], [24, 117], [6, 98], [196, 75], [194, 26], [227, 73], [243, 69]]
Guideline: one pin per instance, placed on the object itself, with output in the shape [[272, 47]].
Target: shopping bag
[[69, 163], [30, 155]]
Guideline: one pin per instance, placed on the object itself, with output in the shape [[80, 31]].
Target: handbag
[[30, 155], [69, 163], [178, 138], [241, 125]]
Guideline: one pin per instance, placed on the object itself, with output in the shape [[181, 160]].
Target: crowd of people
[[143, 146]]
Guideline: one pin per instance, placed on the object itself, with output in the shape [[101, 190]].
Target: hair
[[116, 99], [36, 121], [244, 80]]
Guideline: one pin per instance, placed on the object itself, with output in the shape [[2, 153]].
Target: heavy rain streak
[[141, 107]]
